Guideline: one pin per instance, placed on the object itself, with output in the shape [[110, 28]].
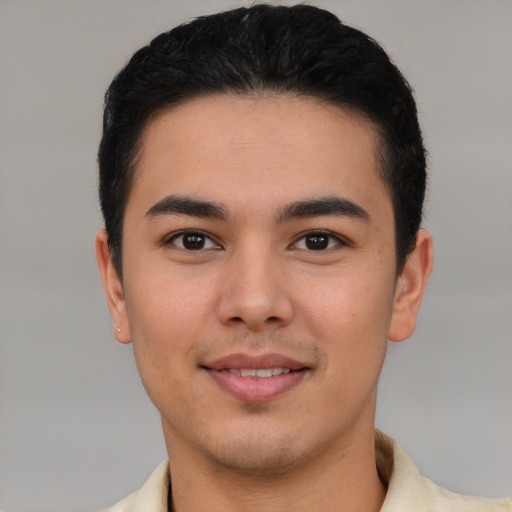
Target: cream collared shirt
[[407, 490]]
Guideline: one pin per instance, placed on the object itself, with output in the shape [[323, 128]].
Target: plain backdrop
[[76, 429]]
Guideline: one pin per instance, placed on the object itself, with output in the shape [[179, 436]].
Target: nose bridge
[[254, 290]]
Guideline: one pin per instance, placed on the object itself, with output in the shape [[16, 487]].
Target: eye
[[192, 241], [318, 241]]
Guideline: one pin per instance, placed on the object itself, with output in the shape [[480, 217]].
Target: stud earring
[[117, 330]]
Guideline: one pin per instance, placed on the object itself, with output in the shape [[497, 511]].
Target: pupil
[[193, 241], [317, 242]]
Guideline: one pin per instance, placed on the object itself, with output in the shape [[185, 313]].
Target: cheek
[[168, 303], [167, 316], [350, 320], [349, 307]]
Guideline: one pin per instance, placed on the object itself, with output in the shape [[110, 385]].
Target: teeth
[[260, 373]]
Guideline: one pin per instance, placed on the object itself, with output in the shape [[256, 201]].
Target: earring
[[117, 330]]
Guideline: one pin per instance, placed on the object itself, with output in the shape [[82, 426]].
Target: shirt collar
[[406, 488]]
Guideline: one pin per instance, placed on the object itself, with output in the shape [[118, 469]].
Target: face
[[259, 285]]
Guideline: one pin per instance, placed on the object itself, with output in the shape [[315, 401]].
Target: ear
[[113, 288], [410, 287]]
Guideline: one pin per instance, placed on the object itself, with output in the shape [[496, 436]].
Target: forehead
[[251, 146]]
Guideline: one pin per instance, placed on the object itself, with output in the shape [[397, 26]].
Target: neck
[[339, 481]]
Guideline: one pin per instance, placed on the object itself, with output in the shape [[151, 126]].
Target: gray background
[[76, 429]]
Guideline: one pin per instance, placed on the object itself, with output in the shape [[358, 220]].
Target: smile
[[258, 373], [260, 378]]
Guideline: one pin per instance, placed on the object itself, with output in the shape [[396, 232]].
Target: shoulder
[[125, 505], [442, 500], [151, 496], [409, 490]]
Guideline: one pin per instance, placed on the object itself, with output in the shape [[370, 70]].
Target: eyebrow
[[333, 205], [188, 206]]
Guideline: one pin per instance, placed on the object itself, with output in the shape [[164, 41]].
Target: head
[[262, 179], [301, 51]]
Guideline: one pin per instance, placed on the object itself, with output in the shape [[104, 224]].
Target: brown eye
[[317, 242], [193, 241]]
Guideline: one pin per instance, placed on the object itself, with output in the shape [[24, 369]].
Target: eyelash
[[171, 240], [338, 240], [331, 237]]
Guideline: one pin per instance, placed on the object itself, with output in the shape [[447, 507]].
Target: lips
[[256, 378], [260, 373]]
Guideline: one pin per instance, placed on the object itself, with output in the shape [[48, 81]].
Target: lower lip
[[254, 389]]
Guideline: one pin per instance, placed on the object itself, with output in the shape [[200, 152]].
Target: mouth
[[256, 378], [258, 373]]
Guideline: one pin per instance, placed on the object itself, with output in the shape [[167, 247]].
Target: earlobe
[[410, 287], [113, 288]]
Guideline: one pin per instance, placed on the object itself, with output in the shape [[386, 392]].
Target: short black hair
[[300, 50]]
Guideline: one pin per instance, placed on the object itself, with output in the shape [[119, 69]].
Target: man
[[262, 176]]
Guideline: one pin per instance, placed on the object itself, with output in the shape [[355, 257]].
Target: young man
[[262, 176]]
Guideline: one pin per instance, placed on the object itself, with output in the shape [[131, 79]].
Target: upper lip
[[254, 362]]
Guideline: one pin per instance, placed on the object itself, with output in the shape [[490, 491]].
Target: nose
[[255, 293]]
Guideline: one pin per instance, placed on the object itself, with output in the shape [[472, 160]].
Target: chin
[[256, 458], [257, 451]]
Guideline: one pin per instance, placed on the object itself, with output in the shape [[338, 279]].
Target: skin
[[256, 287]]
